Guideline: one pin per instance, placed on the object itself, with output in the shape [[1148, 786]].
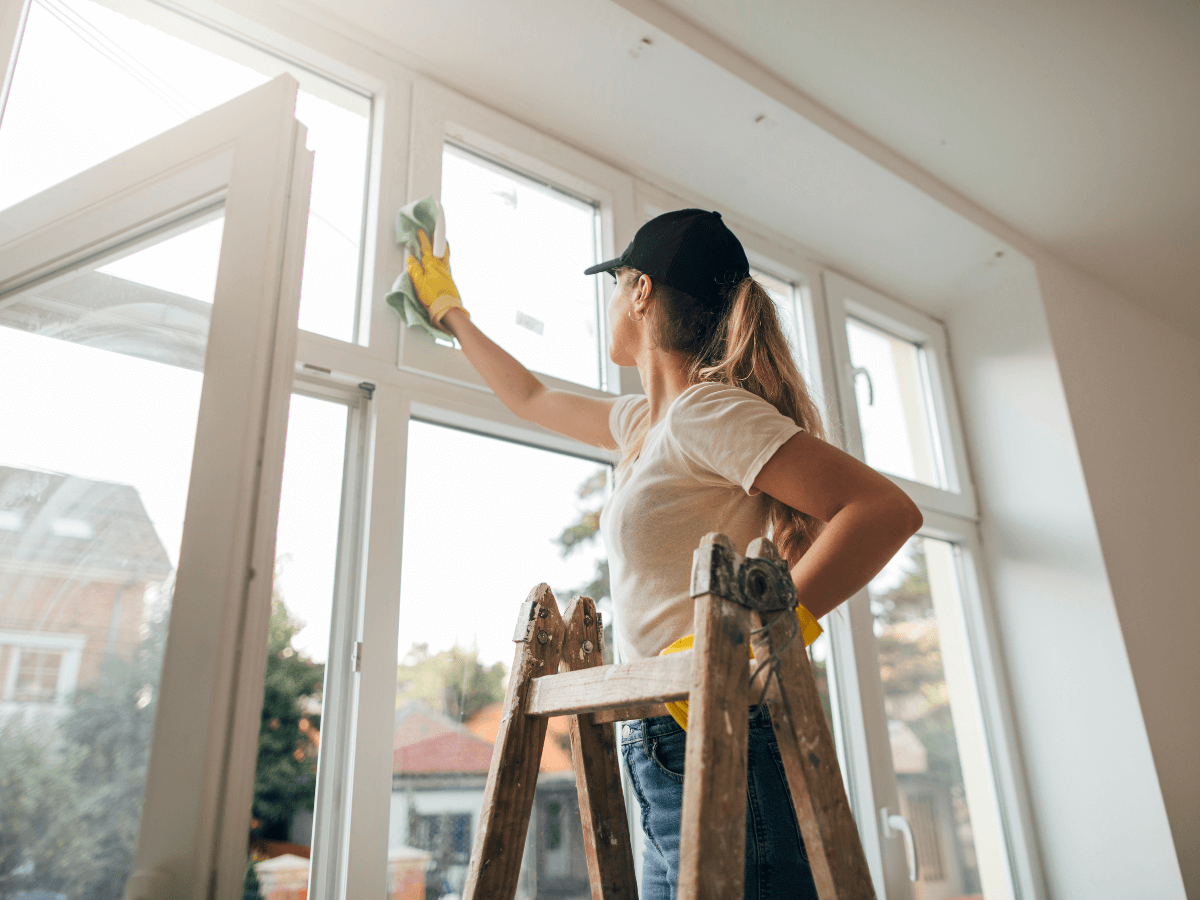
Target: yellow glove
[[810, 630], [432, 282]]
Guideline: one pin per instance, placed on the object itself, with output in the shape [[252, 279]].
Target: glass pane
[[942, 769], [102, 383], [91, 82], [544, 310], [306, 542], [894, 405], [474, 546]]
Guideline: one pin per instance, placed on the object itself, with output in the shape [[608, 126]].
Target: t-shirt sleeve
[[627, 412], [729, 433]]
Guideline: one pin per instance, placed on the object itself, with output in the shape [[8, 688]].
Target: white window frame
[[247, 156], [440, 116], [331, 810], [846, 298], [948, 517]]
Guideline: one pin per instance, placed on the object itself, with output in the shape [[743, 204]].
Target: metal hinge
[[358, 657], [367, 388]]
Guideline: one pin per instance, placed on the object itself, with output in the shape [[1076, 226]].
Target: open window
[[148, 310]]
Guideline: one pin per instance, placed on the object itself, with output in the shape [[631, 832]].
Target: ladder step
[[636, 683]]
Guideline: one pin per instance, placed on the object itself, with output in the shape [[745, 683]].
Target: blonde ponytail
[[743, 345]]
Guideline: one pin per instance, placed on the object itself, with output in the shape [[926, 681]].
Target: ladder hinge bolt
[[587, 646], [543, 637]]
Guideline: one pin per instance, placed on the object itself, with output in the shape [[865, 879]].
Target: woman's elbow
[[909, 513]]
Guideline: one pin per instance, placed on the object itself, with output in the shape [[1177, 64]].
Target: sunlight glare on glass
[[310, 500], [475, 544], [181, 265], [90, 83], [519, 250], [896, 431]]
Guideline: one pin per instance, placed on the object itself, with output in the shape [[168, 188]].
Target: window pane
[[894, 405], [519, 251], [90, 83], [474, 545], [942, 769], [306, 543], [102, 381]]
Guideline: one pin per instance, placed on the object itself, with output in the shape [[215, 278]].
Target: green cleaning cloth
[[420, 215]]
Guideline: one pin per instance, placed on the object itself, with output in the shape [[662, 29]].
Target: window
[[74, 360], [525, 215], [474, 546], [900, 412], [126, 534], [893, 402], [520, 248], [290, 743], [932, 718], [91, 82], [37, 676], [935, 752]]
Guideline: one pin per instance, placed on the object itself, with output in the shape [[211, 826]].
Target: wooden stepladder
[[558, 670]]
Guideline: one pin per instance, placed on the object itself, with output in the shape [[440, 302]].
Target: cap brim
[[603, 267]]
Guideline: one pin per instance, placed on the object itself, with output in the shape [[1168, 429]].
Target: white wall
[[1096, 803], [1132, 386]]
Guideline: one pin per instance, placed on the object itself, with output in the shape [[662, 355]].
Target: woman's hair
[[742, 344]]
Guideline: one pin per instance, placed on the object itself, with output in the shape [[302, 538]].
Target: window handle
[[896, 822], [862, 370]]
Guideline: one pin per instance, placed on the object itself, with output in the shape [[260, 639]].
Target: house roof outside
[[427, 741], [56, 520], [556, 752], [443, 753]]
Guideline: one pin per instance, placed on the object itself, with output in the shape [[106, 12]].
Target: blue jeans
[[776, 864]]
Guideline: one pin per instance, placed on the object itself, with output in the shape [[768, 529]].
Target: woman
[[725, 439]]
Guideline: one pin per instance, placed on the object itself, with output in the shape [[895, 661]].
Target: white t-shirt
[[694, 475]]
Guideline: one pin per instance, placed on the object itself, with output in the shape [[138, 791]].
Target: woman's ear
[[643, 289]]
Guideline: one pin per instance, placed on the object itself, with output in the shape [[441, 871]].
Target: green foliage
[[72, 798], [285, 779], [34, 798], [581, 533], [454, 681], [584, 531], [910, 660]]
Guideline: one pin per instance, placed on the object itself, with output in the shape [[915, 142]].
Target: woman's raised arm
[[582, 418]]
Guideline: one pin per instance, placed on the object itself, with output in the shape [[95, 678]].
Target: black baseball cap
[[691, 250]]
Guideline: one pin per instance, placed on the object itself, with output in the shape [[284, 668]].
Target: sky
[[111, 417]]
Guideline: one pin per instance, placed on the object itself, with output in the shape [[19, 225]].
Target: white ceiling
[[1077, 124]]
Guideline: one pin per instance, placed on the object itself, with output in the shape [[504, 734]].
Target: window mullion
[[370, 801]]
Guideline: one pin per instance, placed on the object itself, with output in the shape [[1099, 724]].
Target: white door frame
[[249, 156]]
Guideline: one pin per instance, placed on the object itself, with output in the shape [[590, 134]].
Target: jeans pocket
[[667, 752]]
